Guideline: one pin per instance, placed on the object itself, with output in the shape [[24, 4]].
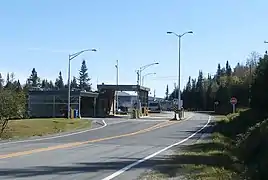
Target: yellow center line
[[74, 144]]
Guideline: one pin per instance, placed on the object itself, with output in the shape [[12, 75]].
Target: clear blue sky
[[41, 33]]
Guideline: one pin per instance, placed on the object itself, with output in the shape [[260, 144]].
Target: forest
[[245, 82]]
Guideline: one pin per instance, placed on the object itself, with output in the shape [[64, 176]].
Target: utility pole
[[117, 80], [69, 88], [179, 68], [71, 57], [138, 82]]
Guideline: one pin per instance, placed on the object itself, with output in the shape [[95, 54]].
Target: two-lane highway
[[116, 151]]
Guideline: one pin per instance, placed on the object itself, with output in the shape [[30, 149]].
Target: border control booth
[[53, 103], [106, 100]]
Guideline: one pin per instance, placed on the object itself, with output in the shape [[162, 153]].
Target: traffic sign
[[233, 100]]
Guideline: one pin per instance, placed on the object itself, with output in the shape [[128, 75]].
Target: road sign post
[[233, 101]]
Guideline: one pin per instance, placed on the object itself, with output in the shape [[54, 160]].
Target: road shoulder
[[205, 158]]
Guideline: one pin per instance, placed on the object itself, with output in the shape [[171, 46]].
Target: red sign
[[233, 100]]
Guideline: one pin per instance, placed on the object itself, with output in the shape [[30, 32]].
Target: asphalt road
[[101, 153]]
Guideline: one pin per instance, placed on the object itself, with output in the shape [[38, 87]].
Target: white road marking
[[54, 137], [121, 171], [156, 117], [147, 120]]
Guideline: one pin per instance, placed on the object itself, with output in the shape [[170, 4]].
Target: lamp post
[[142, 69], [179, 76], [139, 71], [145, 76], [117, 80], [266, 42], [71, 57]]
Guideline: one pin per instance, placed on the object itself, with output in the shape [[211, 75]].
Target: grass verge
[[205, 160], [18, 129], [236, 149]]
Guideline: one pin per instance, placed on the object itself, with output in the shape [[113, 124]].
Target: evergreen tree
[[228, 69], [186, 95], [18, 86], [59, 84], [83, 77], [188, 85], [74, 84], [8, 82], [194, 94], [34, 80], [51, 85], [200, 90], [208, 97], [218, 74], [8, 78], [45, 84], [167, 92]]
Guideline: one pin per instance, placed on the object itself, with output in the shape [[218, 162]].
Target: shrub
[[12, 106]]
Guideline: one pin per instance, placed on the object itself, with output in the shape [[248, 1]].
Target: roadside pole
[[233, 101], [116, 92]]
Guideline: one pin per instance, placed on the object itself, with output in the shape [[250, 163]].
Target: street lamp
[[179, 76], [139, 79], [143, 68], [265, 41], [145, 76], [117, 80], [71, 57]]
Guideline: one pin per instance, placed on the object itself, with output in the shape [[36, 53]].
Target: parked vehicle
[[154, 107]]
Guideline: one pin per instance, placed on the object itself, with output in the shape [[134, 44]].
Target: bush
[[12, 106], [248, 131], [253, 150], [239, 123]]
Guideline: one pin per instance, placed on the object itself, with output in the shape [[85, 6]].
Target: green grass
[[18, 129], [210, 159], [237, 149], [206, 160]]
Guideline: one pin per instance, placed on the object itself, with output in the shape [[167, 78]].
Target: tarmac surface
[[119, 148]]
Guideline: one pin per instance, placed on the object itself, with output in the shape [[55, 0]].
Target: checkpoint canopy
[[142, 91]]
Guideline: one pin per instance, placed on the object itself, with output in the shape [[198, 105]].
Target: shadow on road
[[160, 164], [167, 165]]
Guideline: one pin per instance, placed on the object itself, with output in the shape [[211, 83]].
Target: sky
[[42, 33]]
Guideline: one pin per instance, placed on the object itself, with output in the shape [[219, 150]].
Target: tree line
[[13, 95], [82, 82], [247, 82], [34, 81]]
